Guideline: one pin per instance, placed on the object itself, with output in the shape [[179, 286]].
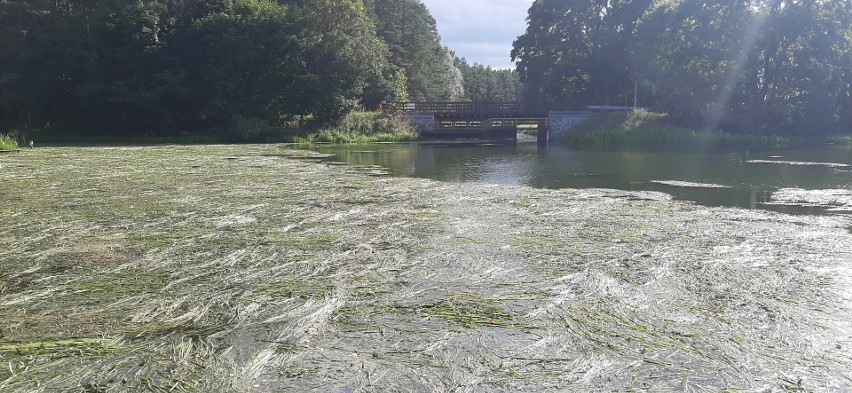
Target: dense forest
[[148, 67], [169, 66], [757, 66]]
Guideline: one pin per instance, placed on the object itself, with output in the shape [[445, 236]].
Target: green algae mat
[[261, 269]]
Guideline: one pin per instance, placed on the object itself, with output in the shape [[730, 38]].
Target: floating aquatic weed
[[467, 313], [801, 163], [61, 348], [686, 184], [115, 262], [836, 199]]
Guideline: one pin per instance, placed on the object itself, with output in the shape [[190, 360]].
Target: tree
[[342, 54], [140, 67], [414, 46], [239, 61], [774, 66], [485, 84], [23, 24], [400, 87], [685, 53], [578, 49], [796, 79], [454, 77], [262, 60]]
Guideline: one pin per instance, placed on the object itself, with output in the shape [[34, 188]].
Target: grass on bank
[[7, 142], [841, 139], [643, 128], [364, 127]]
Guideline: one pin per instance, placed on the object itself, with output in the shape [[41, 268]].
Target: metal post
[[635, 95]]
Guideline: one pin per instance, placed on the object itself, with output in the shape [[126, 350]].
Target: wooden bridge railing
[[520, 109], [491, 124]]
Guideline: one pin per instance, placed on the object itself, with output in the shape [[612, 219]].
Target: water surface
[[732, 178]]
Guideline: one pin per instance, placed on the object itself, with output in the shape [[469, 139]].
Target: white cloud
[[480, 30]]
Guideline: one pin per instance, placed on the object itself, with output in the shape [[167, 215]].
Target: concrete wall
[[423, 122], [561, 122]]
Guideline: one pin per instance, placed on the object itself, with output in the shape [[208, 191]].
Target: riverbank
[[649, 129], [357, 127], [842, 139], [256, 268]]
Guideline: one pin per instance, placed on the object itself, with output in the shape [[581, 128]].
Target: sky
[[482, 31]]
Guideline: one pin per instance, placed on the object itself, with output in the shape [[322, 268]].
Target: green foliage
[[364, 127], [400, 87], [343, 137], [173, 67], [642, 128], [841, 139], [166, 67], [7, 142], [624, 121], [684, 52], [797, 78], [412, 37], [343, 52], [739, 66], [237, 68], [485, 84], [373, 123], [578, 49], [253, 130], [356, 127]]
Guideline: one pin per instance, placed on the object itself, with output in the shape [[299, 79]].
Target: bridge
[[490, 120]]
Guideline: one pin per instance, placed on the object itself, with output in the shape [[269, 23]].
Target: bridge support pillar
[[543, 136], [561, 122]]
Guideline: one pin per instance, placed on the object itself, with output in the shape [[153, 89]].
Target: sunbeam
[[717, 112]]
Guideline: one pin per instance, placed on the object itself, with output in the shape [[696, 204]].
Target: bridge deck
[[491, 129], [483, 109], [483, 120]]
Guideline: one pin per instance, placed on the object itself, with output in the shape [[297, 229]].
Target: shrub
[[7, 142], [364, 127], [372, 123]]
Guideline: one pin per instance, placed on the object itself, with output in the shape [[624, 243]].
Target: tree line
[[169, 66], [758, 66]]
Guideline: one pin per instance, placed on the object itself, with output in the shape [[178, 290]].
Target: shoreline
[[236, 268]]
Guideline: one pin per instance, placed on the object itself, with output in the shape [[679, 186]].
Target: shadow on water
[[712, 177]]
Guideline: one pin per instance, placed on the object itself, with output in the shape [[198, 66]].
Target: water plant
[[7, 142], [219, 268]]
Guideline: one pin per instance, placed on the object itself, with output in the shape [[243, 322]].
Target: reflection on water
[[742, 178]]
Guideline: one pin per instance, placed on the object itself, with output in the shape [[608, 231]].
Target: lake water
[[807, 180]]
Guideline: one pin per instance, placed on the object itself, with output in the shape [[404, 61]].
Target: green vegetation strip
[[649, 129], [842, 139], [7, 143], [256, 268]]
